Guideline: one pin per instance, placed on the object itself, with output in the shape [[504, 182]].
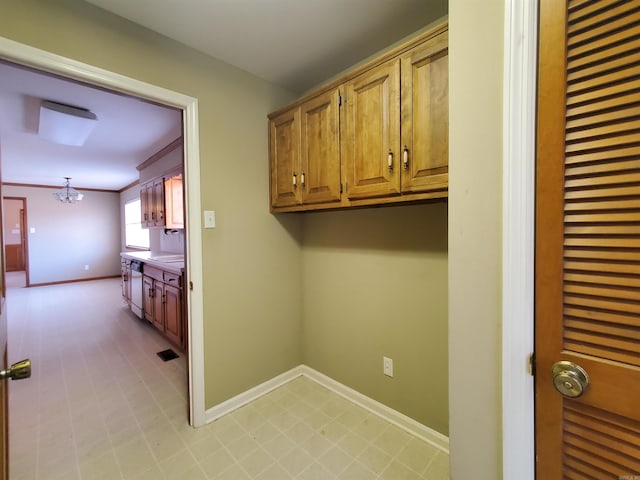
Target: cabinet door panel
[[372, 132], [173, 314], [320, 149], [147, 297], [284, 134], [425, 116], [158, 304], [146, 204], [158, 202], [174, 205]]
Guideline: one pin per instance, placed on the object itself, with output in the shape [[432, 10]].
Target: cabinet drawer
[[153, 272], [172, 279]]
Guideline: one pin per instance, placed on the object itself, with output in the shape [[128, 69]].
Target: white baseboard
[[250, 395], [408, 424]]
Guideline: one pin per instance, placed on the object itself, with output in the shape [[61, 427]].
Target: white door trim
[[42, 60], [520, 70]]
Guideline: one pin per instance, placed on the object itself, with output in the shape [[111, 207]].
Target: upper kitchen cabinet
[[425, 116], [152, 203], [174, 201], [161, 188], [371, 140], [376, 135], [284, 155], [305, 153]]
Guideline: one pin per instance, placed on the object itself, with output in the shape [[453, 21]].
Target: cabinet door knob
[[405, 158], [295, 180], [390, 160], [302, 179]]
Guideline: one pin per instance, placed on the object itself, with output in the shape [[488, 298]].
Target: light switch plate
[[209, 219]]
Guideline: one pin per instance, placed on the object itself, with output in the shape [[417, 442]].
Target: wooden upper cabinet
[[425, 116], [371, 144], [161, 200], [284, 155], [152, 203], [320, 149], [378, 134], [158, 201], [173, 201]]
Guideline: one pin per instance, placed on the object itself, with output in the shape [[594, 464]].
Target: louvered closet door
[[588, 238]]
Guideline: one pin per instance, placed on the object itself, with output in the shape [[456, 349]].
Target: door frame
[[23, 233], [33, 57], [518, 237]]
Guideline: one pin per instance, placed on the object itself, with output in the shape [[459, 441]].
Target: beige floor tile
[[274, 472], [315, 472], [213, 465], [102, 405], [256, 462], [296, 461]]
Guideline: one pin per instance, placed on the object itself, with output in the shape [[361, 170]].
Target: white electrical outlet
[[387, 366]]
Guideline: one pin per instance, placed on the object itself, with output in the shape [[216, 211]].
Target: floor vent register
[[167, 355]]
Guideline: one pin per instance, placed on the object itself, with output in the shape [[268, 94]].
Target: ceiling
[[127, 132], [292, 43]]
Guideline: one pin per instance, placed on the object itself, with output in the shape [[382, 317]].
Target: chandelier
[[68, 194]]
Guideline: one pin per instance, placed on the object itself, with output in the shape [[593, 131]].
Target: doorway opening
[[74, 71], [16, 239]]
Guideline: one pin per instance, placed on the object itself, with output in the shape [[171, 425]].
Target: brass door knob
[[17, 371], [570, 380]]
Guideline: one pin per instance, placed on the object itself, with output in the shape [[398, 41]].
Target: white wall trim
[[42, 60], [400, 420], [252, 394], [520, 69]]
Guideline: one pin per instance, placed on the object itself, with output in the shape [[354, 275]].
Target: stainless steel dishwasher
[[136, 288]]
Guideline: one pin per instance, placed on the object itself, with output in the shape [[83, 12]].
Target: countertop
[[148, 257]]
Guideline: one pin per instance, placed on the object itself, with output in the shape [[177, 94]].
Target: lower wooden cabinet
[[173, 314], [125, 268], [163, 303]]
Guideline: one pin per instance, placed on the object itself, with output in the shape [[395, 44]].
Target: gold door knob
[[570, 380], [17, 371]]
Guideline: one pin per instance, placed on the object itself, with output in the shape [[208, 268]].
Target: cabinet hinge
[[339, 100], [340, 187], [191, 286], [532, 364]]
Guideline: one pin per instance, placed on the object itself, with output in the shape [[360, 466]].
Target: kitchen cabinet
[[305, 153], [163, 303], [152, 203], [174, 201], [372, 132], [161, 201], [377, 135], [125, 269], [425, 116]]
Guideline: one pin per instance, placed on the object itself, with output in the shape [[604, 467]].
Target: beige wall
[[375, 284], [251, 261], [475, 202], [67, 237]]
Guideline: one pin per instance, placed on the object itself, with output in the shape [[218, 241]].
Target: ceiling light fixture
[[65, 124], [68, 194]]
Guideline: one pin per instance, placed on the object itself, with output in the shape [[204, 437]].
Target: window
[[134, 235]]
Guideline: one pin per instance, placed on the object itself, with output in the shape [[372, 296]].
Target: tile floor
[[102, 405]]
